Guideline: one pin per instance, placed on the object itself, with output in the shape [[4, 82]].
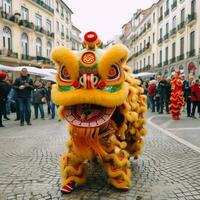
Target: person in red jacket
[[195, 98]]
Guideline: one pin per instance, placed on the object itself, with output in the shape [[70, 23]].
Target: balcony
[[160, 18], [181, 57], [172, 60], [27, 57], [167, 12], [174, 5], [173, 32], [39, 29], [160, 64], [26, 24], [191, 19], [191, 53], [160, 41], [181, 26], [166, 36], [44, 5], [8, 17], [44, 60], [166, 63], [8, 53], [50, 34]]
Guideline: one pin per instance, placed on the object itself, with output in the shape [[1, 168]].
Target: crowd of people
[[21, 94], [158, 91]]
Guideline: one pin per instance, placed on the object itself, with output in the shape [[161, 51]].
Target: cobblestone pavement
[[186, 128], [29, 167]]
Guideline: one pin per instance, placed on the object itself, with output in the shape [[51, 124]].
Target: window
[[140, 46], [181, 46], [193, 5], [24, 44], [48, 2], [57, 6], [192, 41], [174, 22], [49, 47], [24, 13], [174, 50], [153, 60], [167, 5], [153, 38], [62, 12], [62, 28], [48, 25], [144, 62], [7, 38], [160, 33], [166, 53], [149, 60], [154, 18], [38, 47], [160, 56], [149, 40], [7, 6], [57, 27], [140, 64], [144, 43], [161, 11], [183, 15], [167, 28], [38, 20]]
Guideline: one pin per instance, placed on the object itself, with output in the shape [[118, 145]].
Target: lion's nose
[[89, 81]]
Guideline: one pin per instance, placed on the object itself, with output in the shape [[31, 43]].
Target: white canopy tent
[[144, 74]]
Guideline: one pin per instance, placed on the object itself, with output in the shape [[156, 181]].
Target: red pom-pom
[[76, 84], [101, 84], [90, 36]]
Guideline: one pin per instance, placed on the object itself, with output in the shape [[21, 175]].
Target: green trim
[[64, 88], [112, 89]]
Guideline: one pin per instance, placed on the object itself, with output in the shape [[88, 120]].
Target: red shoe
[[66, 189]]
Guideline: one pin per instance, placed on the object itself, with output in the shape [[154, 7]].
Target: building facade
[[29, 29], [166, 37]]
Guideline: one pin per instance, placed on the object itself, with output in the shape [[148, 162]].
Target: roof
[[67, 6], [74, 27]]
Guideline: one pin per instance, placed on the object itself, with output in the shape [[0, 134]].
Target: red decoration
[[76, 84], [101, 84], [2, 75], [88, 58], [90, 36]]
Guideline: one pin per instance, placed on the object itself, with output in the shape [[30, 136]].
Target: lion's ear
[[116, 54], [64, 56]]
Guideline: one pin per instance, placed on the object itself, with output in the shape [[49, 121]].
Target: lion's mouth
[[87, 115]]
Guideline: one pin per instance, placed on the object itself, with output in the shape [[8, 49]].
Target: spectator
[[4, 91], [187, 94], [163, 96], [152, 93], [39, 95], [195, 98], [23, 87], [48, 95]]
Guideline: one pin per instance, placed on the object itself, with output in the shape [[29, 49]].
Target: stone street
[[168, 169]]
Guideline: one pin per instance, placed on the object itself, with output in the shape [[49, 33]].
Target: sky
[[105, 17]]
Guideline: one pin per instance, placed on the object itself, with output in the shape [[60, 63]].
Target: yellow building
[[29, 29]]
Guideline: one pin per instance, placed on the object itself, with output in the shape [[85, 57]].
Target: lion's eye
[[114, 73], [64, 75]]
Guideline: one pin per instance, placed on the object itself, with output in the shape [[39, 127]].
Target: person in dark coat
[[195, 97], [39, 98], [23, 87], [4, 91]]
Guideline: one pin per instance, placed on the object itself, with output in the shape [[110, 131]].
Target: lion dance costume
[[104, 106], [177, 96]]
